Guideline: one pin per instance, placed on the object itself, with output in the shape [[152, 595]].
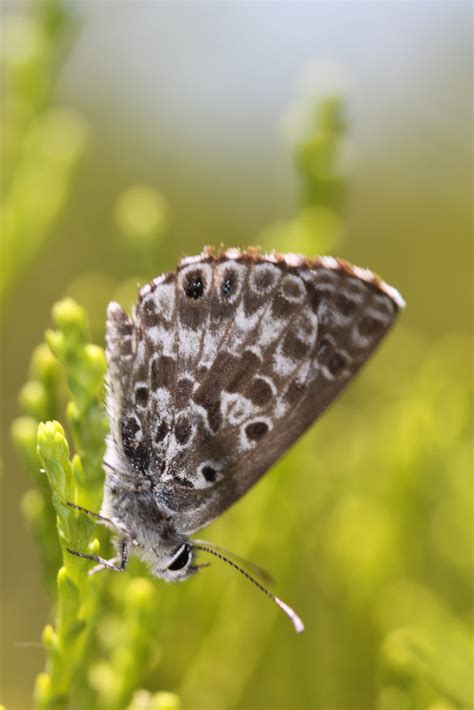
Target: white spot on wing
[[329, 262], [233, 253], [189, 343], [293, 259], [282, 365], [164, 298], [163, 338], [187, 260]]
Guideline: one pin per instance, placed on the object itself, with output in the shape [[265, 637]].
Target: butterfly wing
[[120, 357], [234, 357]]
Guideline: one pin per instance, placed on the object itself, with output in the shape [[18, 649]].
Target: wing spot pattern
[[160, 377], [133, 446], [163, 372], [370, 326], [336, 364], [209, 473], [256, 430], [227, 288], [183, 431], [345, 305], [259, 392], [294, 348], [184, 391], [161, 432], [194, 287], [141, 396]]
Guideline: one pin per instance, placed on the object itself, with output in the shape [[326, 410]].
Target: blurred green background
[[136, 133]]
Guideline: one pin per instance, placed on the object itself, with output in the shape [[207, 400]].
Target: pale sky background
[[196, 86]]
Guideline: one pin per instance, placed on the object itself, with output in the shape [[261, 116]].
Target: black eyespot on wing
[[181, 560], [195, 286], [209, 474], [256, 430], [228, 285]]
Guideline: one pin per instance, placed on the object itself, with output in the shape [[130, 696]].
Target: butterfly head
[[173, 564]]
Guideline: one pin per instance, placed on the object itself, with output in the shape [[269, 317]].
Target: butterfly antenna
[[255, 569], [292, 615]]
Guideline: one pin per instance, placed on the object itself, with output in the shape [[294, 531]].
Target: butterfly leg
[[122, 559], [107, 522]]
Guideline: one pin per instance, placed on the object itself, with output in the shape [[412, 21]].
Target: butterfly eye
[[181, 558]]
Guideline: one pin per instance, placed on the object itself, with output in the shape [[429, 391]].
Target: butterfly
[[222, 365]]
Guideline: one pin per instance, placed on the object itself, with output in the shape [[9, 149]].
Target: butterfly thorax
[[148, 527]]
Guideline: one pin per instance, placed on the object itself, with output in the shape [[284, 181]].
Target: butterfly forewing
[[227, 361]]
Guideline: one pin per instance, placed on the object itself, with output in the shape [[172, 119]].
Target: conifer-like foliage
[[75, 670]]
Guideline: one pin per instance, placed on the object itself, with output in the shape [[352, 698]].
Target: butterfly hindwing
[[234, 356]]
